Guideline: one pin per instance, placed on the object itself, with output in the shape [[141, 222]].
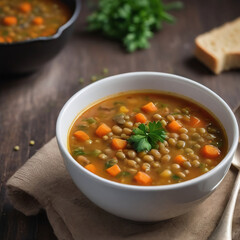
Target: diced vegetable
[[90, 167], [38, 21], [174, 126], [81, 135], [118, 143], [210, 151], [25, 7], [140, 118], [195, 122], [123, 109], [102, 130], [143, 178], [180, 159], [150, 107], [114, 170], [9, 21]]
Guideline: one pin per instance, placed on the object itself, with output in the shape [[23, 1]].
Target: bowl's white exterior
[[146, 203]]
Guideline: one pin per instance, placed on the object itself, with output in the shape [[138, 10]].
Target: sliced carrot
[[90, 167], [174, 126], [140, 118], [38, 21], [118, 143], [102, 130], [142, 178], [196, 122], [10, 20], [81, 135], [149, 107], [114, 170], [2, 40], [210, 151], [25, 7], [180, 159]]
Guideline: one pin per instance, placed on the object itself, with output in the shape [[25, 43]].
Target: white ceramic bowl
[[146, 203]]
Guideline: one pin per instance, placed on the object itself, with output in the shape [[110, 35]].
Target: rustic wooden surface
[[29, 105]]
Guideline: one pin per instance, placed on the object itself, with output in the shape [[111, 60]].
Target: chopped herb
[[138, 20], [82, 127], [146, 137], [110, 163], [217, 144], [175, 177], [90, 120], [202, 166], [78, 151], [124, 174]]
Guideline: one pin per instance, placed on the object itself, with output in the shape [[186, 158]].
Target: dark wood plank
[[29, 105]]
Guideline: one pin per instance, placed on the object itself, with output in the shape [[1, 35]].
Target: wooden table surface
[[29, 105]]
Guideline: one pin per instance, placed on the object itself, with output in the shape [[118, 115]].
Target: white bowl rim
[[148, 188]]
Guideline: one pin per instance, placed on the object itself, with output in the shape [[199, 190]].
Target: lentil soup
[[22, 20], [147, 139]]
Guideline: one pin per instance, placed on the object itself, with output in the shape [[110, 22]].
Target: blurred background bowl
[[30, 55]]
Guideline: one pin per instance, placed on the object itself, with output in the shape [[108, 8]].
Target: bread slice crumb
[[219, 49]]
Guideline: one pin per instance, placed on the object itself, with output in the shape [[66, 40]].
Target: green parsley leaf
[[124, 174], [146, 137], [110, 163], [176, 178], [82, 127]]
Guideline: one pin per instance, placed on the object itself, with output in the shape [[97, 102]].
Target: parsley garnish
[[176, 178], [110, 163], [146, 137], [124, 174]]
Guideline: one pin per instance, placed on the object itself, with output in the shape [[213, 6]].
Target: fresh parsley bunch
[[132, 22], [146, 137]]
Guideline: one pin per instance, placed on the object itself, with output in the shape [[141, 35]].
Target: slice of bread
[[219, 49]]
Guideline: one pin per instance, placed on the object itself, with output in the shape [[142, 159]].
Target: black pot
[[28, 56]]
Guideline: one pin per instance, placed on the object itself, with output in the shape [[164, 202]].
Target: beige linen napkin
[[43, 182]]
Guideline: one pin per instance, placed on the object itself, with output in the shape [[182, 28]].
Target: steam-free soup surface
[[147, 139], [28, 19]]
